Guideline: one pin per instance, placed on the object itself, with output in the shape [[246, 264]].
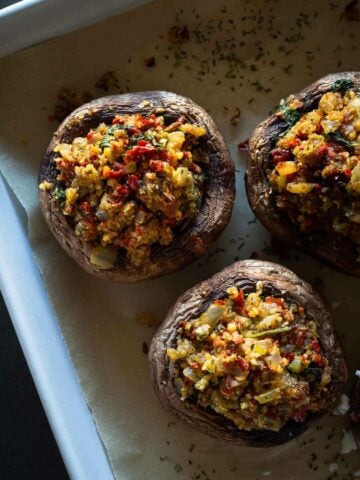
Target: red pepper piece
[[219, 302], [143, 143], [85, 207], [299, 341], [226, 389], [319, 128], [148, 151], [156, 166], [123, 240], [288, 355], [117, 119], [300, 414], [293, 143], [277, 301], [122, 190], [280, 155], [291, 177], [323, 150], [239, 302], [133, 182], [315, 346], [118, 171], [141, 150], [194, 365], [133, 131], [302, 135], [317, 358], [90, 135], [146, 123], [242, 363]]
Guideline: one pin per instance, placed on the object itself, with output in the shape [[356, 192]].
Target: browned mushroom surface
[[135, 186], [249, 355], [303, 177]]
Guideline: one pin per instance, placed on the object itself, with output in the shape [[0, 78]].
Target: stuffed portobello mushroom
[[137, 185], [303, 177], [249, 356]]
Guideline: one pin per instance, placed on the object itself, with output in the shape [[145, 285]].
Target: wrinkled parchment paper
[[242, 55]]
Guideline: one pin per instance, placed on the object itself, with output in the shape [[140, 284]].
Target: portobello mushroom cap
[[244, 274], [333, 250], [191, 239]]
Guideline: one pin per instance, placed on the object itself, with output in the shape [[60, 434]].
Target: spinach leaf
[[342, 85], [115, 127], [105, 142], [289, 115], [340, 139], [59, 195]]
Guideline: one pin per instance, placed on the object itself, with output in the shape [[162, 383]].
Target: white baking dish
[[44, 349], [29, 22], [99, 320]]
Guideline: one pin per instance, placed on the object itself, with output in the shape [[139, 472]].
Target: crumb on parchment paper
[[343, 406], [67, 101], [178, 34], [348, 443], [150, 62], [235, 118], [148, 319], [107, 81]]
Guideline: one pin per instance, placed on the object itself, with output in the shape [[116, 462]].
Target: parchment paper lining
[[98, 318]]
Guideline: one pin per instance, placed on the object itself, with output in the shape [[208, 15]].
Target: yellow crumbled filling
[[45, 185], [314, 169], [252, 357], [128, 185]]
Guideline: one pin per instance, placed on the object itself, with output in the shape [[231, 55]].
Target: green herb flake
[[59, 195], [105, 142], [342, 84], [289, 115], [340, 139], [178, 468], [265, 333]]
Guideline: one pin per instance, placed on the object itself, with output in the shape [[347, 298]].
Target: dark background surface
[[27, 447], [5, 3]]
